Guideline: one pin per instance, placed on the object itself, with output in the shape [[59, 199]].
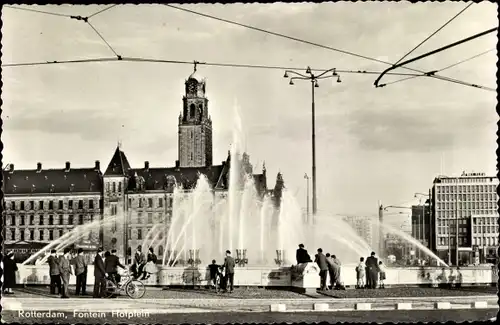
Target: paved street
[[225, 317], [261, 293]]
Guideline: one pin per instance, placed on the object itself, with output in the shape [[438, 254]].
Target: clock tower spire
[[195, 124]]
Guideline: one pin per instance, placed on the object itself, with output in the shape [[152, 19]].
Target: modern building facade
[[43, 205], [421, 226], [465, 214]]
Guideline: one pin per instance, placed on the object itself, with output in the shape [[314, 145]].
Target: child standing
[[360, 273], [381, 268]]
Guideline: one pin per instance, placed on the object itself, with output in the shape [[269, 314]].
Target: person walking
[[55, 277], [9, 273], [80, 265], [360, 273], [139, 261], [323, 267], [302, 256], [150, 266], [372, 271], [65, 272], [111, 264], [99, 275], [229, 265]]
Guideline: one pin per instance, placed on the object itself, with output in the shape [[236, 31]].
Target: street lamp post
[[314, 84], [307, 198]]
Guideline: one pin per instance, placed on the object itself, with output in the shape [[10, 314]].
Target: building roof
[[196, 76], [166, 178], [119, 165], [52, 181]]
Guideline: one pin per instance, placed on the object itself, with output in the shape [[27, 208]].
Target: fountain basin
[[270, 276]]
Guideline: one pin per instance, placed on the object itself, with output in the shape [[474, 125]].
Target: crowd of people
[[369, 274], [106, 266]]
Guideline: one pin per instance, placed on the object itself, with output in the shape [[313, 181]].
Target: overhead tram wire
[[214, 64], [38, 11], [317, 45], [102, 38], [445, 68], [437, 31], [101, 11]]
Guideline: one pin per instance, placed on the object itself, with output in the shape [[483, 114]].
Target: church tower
[[195, 125]]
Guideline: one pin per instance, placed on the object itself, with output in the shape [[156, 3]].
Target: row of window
[[466, 205], [464, 213], [468, 197], [451, 230], [40, 205], [462, 241], [159, 218], [150, 202], [50, 220], [486, 241], [41, 234], [466, 188], [142, 233], [485, 229], [111, 187]]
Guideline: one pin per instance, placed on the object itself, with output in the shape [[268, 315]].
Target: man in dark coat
[[323, 267], [372, 271], [139, 262], [65, 271], [55, 278], [80, 265], [99, 275], [9, 273], [302, 256], [229, 265], [111, 264]]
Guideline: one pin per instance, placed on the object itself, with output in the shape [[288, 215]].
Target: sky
[[373, 144]]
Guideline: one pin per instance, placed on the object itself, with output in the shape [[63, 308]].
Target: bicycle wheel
[[110, 289], [135, 289]]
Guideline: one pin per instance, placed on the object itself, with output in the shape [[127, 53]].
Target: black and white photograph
[[276, 162]]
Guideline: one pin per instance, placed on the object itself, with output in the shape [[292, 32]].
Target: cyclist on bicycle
[[111, 264]]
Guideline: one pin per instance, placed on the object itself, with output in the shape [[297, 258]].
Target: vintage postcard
[[222, 163]]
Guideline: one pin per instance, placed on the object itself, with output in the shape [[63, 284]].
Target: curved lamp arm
[[334, 70], [296, 73]]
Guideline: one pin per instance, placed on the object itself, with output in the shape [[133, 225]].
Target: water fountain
[[205, 224]]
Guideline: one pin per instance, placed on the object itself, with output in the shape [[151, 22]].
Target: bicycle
[[134, 288]]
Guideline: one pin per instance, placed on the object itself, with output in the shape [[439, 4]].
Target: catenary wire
[[246, 26], [316, 44], [445, 68], [99, 34], [466, 60], [38, 11], [101, 11], [437, 31], [214, 64]]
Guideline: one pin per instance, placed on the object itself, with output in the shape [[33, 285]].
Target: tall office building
[[465, 214]]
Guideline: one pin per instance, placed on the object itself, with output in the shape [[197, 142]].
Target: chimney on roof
[[39, 167], [146, 165], [68, 166], [177, 164], [11, 168], [97, 165]]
